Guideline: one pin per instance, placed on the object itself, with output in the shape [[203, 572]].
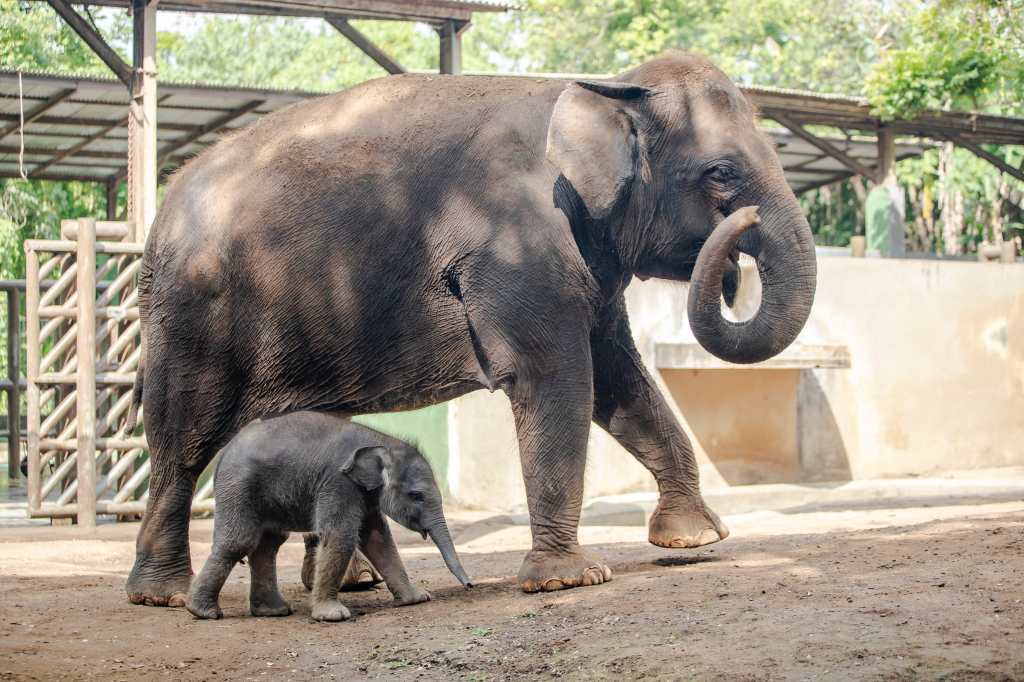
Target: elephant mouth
[[730, 274]]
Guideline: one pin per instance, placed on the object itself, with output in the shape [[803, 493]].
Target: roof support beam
[[451, 45], [981, 153], [78, 147], [357, 38], [37, 111], [839, 155], [75, 149], [90, 122], [824, 182], [94, 40], [213, 126]]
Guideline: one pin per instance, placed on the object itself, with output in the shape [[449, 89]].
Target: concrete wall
[[936, 383]]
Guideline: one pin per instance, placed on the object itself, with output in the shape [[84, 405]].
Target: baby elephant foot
[[331, 611], [548, 571], [684, 521], [415, 595], [270, 609], [203, 608]]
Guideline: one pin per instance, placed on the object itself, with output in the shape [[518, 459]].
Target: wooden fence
[[83, 347]]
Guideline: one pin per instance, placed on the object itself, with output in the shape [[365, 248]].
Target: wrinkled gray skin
[[360, 574], [416, 238], [314, 472]]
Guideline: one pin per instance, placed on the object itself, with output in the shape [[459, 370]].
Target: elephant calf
[[310, 472]]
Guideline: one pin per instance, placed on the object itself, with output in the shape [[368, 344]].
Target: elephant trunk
[[784, 249], [438, 532]]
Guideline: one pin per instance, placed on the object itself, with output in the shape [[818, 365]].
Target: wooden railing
[[83, 348]]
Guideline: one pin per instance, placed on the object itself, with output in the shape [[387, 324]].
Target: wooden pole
[[112, 200], [143, 114], [886, 156], [91, 38], [357, 38], [14, 376], [32, 371], [451, 45], [86, 383]]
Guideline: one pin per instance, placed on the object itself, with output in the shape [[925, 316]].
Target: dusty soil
[[864, 593]]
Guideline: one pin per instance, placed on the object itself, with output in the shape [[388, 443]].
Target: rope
[[130, 203], [21, 129]]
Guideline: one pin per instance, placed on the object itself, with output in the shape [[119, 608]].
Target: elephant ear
[[365, 466], [592, 141]]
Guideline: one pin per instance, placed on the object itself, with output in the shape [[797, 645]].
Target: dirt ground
[[871, 592]]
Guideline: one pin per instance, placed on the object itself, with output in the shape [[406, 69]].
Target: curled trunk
[[784, 250], [442, 538]]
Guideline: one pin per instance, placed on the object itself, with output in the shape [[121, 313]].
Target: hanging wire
[[21, 128]]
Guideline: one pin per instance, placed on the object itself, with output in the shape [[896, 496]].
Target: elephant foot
[[204, 609], [416, 595], [330, 611], [167, 591], [360, 575], [547, 571], [274, 607], [684, 521]]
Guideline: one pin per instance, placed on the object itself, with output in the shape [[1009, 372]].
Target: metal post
[[143, 176], [886, 155], [32, 351], [451, 45], [86, 380], [13, 375]]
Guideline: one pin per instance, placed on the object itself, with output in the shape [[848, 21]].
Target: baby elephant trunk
[[443, 539]]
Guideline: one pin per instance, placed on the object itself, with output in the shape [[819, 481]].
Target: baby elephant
[[314, 472]]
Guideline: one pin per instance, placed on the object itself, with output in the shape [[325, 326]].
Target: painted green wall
[[427, 427]]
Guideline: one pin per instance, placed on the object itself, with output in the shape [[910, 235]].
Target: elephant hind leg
[[360, 574], [162, 572], [264, 597], [184, 435], [204, 599]]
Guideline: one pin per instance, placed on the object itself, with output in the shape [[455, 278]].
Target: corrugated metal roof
[[431, 11], [83, 136]]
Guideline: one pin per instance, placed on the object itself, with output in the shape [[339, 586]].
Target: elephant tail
[[133, 411]]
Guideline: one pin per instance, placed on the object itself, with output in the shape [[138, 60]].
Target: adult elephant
[[419, 237]]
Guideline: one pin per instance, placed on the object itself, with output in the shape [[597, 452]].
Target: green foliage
[[285, 53], [963, 54], [836, 213], [824, 45], [34, 38]]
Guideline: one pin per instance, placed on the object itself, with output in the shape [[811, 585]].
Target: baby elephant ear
[[365, 466]]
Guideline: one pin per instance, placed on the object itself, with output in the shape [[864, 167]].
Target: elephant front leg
[[552, 422], [629, 406], [376, 540]]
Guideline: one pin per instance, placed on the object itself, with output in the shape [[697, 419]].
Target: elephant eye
[[721, 173], [415, 496]]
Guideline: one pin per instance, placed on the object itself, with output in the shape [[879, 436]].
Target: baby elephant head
[[408, 494]]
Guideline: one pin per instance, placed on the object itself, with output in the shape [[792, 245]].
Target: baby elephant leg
[[332, 557], [264, 597], [203, 598], [376, 540], [360, 575]]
